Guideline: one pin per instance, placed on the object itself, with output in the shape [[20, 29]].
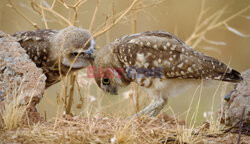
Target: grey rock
[[19, 76], [236, 101]]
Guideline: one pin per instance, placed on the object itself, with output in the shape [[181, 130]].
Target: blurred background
[[220, 29]]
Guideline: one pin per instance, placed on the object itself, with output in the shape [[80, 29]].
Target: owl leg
[[158, 106], [153, 108]]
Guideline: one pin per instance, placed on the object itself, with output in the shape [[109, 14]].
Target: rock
[[19, 76], [236, 101]]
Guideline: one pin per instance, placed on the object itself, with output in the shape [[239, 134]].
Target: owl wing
[[162, 52], [37, 44]]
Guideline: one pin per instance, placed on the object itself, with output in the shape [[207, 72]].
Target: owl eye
[[74, 54], [105, 81]]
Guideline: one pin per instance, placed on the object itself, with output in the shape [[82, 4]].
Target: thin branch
[[229, 18], [77, 4], [81, 96], [149, 5], [134, 22], [241, 124], [44, 19], [57, 14], [116, 21], [11, 5], [71, 93], [210, 23], [94, 16], [53, 4], [63, 3], [75, 8], [201, 13], [113, 10], [34, 6], [203, 25]]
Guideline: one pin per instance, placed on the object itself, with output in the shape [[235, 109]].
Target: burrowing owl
[[48, 47], [159, 62]]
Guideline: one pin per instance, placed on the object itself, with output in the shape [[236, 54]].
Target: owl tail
[[233, 76]]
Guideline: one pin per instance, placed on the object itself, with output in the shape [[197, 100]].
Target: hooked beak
[[113, 91], [89, 54]]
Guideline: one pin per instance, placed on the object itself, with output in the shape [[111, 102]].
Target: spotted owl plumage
[[47, 47], [159, 62]]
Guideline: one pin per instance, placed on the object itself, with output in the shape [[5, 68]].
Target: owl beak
[[89, 54], [110, 90], [113, 91]]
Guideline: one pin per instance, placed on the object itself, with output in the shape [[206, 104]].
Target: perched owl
[[55, 51], [159, 62]]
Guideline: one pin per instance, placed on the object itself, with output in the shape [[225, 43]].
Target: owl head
[[107, 71], [109, 79], [75, 47]]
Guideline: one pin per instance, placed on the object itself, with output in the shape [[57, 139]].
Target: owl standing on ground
[[159, 62], [56, 51]]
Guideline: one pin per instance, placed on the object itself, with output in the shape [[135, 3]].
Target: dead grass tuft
[[12, 114]]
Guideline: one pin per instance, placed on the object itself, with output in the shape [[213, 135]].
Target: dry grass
[[106, 129], [101, 129], [96, 128], [11, 111], [12, 114]]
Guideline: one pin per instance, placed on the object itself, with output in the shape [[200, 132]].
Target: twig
[[44, 19], [116, 21], [81, 96], [241, 124], [234, 126], [113, 10], [94, 16], [134, 30], [57, 14], [63, 3], [71, 93], [209, 23], [149, 5], [53, 4], [34, 5], [11, 5], [201, 13], [229, 18], [75, 8], [45, 116]]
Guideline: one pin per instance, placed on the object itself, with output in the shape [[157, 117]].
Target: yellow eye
[[105, 81]]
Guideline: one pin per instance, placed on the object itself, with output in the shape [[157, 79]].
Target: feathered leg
[[156, 105]]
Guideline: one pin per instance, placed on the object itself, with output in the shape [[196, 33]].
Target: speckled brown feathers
[[37, 44], [46, 47], [159, 62], [159, 49]]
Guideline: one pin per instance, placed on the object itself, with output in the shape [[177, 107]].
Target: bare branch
[[11, 5], [236, 31], [44, 19], [116, 21], [94, 16], [57, 14]]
